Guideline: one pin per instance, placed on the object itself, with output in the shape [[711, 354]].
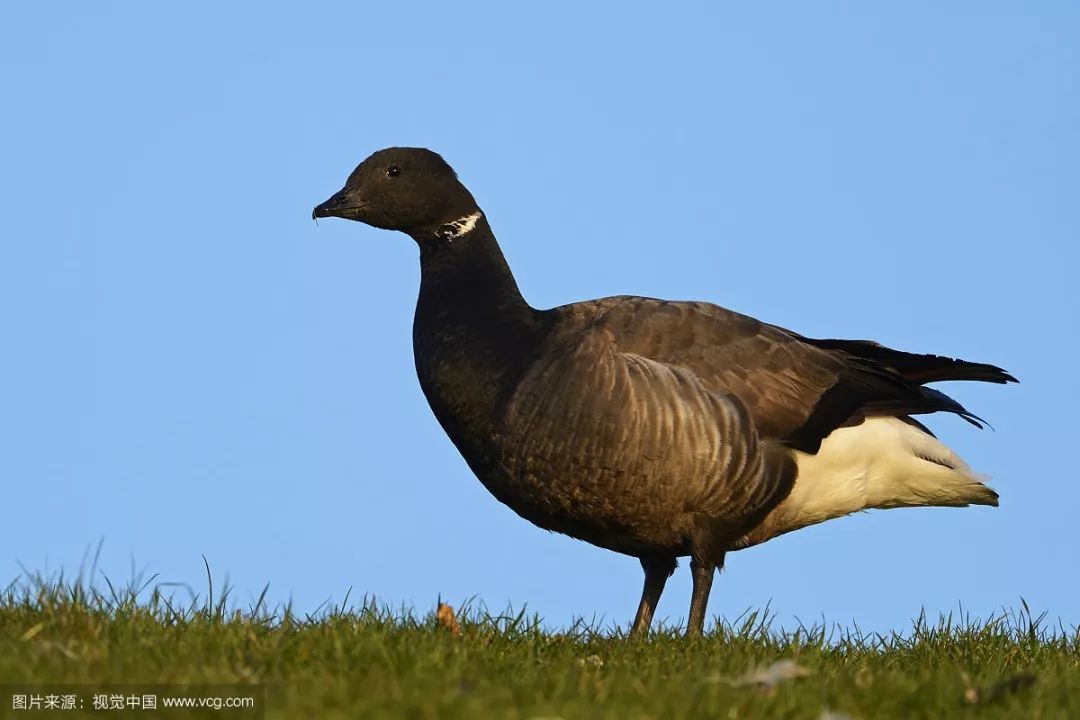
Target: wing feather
[[795, 390]]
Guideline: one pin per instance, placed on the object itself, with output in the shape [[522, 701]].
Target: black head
[[409, 189]]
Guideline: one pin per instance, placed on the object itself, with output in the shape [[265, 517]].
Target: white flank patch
[[463, 225], [880, 463]]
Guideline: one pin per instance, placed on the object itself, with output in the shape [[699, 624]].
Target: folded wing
[[795, 389]]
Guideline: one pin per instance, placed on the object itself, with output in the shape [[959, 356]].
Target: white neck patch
[[462, 226]]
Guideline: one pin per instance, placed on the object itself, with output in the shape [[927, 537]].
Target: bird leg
[[703, 571], [657, 571]]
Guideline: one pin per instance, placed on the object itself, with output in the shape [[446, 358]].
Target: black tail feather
[[868, 388], [914, 367]]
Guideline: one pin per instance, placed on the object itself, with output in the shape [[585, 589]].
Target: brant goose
[[652, 428]]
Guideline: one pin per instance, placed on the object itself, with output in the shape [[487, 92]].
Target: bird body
[[653, 428]]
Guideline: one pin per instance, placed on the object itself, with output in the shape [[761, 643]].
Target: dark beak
[[341, 204]]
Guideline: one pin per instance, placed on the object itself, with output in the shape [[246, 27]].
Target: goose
[[653, 428]]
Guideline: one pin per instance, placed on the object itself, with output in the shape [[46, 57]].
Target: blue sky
[[192, 367]]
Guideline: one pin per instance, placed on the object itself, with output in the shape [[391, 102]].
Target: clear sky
[[192, 367]]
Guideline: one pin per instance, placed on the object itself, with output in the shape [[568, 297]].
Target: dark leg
[[703, 576], [657, 571]]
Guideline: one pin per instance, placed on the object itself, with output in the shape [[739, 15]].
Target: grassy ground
[[364, 661]]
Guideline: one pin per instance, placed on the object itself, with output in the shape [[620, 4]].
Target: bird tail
[[883, 462], [915, 367]]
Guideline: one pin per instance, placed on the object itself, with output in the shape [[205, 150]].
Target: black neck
[[467, 277], [472, 330]]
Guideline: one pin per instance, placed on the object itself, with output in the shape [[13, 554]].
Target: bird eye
[[393, 171]]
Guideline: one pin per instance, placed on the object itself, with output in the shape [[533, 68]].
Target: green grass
[[366, 661]]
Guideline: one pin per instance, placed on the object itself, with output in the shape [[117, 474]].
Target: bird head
[[408, 189]]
